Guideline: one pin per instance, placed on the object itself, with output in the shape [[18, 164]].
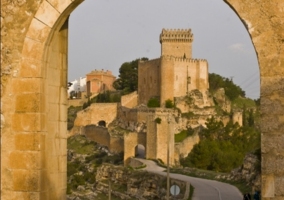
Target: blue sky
[[105, 33]]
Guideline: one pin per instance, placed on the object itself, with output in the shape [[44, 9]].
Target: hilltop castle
[[175, 76], [175, 73]]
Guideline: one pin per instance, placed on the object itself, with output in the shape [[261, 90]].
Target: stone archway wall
[[33, 144]]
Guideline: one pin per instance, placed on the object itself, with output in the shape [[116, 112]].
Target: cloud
[[237, 47]]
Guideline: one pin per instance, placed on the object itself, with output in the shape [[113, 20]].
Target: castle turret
[[176, 42]]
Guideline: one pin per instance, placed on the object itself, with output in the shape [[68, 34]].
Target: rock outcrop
[[249, 172]]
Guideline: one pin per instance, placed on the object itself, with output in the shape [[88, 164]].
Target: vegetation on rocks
[[183, 134], [71, 116], [128, 76], [222, 147], [83, 159], [104, 97], [231, 90]]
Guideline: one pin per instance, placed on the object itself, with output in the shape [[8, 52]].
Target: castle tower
[[177, 43]]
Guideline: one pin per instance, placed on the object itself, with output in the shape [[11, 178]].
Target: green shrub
[[187, 115], [79, 180], [99, 161], [72, 167], [153, 103], [183, 134], [71, 116], [68, 190], [158, 120], [90, 177], [222, 147], [169, 104]]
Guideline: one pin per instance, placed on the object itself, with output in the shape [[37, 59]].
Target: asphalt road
[[203, 189]]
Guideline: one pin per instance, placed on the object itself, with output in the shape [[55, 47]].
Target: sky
[[103, 34]]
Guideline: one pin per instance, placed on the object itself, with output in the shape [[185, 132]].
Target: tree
[[128, 76], [232, 91], [222, 147], [251, 118]]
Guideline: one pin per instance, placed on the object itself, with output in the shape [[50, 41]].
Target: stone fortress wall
[[101, 135], [95, 113], [175, 73], [33, 94], [148, 80], [129, 100], [183, 148]]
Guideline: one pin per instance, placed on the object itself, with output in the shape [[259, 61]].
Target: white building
[[77, 86]]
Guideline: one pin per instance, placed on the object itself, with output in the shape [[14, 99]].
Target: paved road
[[203, 189]]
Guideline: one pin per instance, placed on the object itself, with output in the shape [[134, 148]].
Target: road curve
[[203, 189]]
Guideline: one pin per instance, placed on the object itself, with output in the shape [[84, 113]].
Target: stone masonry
[[34, 100], [175, 73]]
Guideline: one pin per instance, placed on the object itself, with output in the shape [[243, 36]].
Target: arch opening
[[102, 123], [48, 105], [140, 151]]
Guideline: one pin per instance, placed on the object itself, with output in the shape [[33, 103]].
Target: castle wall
[[203, 82], [165, 137], [76, 102], [129, 100], [183, 148], [96, 112], [126, 114], [130, 141], [148, 80], [116, 144], [180, 77], [192, 74], [102, 136], [158, 135], [176, 49], [97, 134], [151, 138], [167, 79]]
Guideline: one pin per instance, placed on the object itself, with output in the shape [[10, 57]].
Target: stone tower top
[[176, 35], [176, 42]]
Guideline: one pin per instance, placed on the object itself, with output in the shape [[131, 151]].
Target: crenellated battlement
[[176, 35], [100, 72], [179, 59]]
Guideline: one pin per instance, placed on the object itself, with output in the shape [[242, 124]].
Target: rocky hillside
[[84, 157], [91, 170], [248, 172]]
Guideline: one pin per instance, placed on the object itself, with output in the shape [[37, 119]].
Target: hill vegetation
[[128, 76], [222, 147], [83, 159], [232, 91]]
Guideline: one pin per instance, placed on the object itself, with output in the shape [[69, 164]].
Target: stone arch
[[140, 151], [102, 123], [33, 137]]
